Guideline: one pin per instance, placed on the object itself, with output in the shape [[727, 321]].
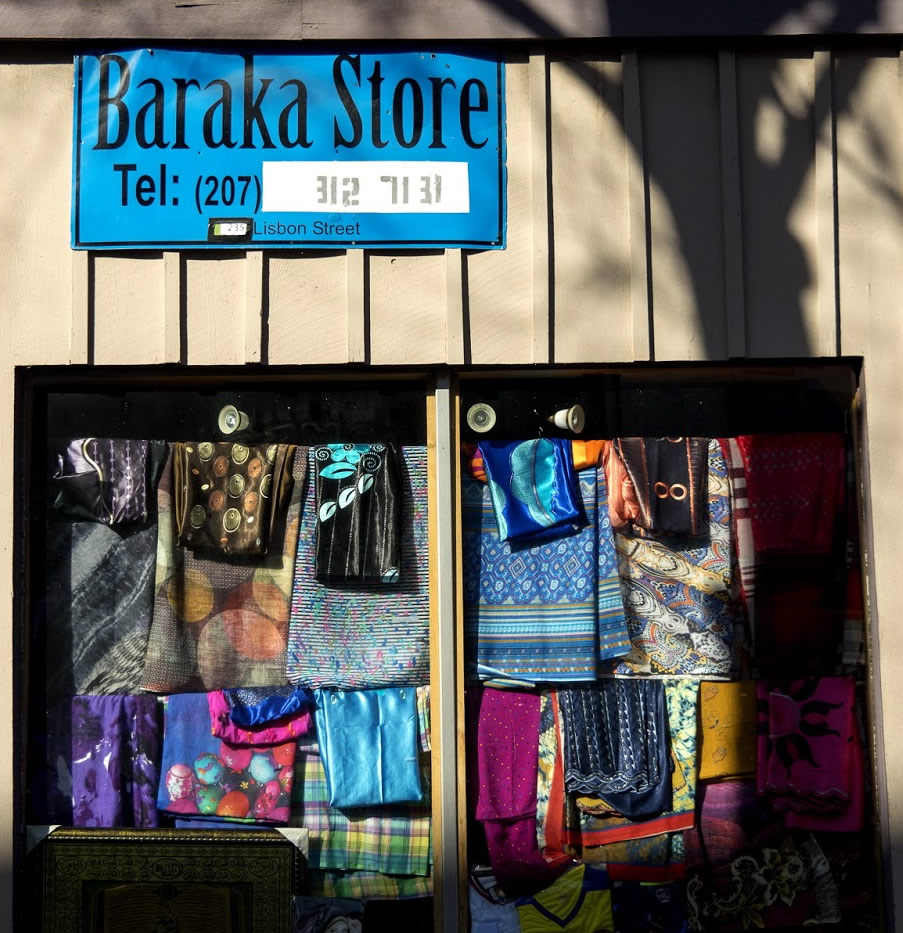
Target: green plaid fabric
[[368, 885], [392, 840]]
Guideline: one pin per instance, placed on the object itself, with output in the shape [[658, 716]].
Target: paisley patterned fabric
[[102, 480], [545, 612], [220, 624], [678, 594], [533, 488], [357, 635], [358, 502], [227, 498]]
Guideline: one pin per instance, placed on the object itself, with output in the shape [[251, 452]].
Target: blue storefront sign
[[189, 149]]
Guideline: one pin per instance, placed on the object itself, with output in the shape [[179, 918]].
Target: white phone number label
[[366, 187]]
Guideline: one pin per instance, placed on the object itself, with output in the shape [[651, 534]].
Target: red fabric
[[796, 490]]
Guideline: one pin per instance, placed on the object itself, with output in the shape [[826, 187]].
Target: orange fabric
[[623, 505]]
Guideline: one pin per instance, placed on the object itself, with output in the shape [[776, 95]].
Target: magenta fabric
[[810, 759], [287, 729], [507, 761], [507, 754]]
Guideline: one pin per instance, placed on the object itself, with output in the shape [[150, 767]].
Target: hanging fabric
[[216, 623], [228, 498], [254, 706], [358, 505], [102, 480], [368, 741], [204, 776], [115, 761], [727, 729], [669, 481], [616, 746], [533, 489], [678, 594], [288, 729], [546, 612], [359, 635]]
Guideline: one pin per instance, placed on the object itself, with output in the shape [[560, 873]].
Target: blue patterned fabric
[[533, 488], [546, 612], [681, 612]]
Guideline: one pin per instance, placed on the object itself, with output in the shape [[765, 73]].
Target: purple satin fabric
[[115, 761]]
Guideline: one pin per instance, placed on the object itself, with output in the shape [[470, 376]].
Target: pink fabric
[[810, 759], [507, 754], [272, 733], [795, 484]]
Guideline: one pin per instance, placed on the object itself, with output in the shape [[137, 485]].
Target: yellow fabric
[[577, 910], [727, 730]]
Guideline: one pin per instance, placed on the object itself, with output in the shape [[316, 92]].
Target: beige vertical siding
[[690, 207]]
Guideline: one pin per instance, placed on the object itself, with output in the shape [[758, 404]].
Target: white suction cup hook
[[569, 419], [230, 419], [481, 417]]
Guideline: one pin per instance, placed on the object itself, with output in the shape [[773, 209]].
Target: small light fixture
[[230, 419], [481, 417], [569, 419]]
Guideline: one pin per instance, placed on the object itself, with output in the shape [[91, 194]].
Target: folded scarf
[[102, 480], [727, 729], [533, 489], [796, 490], [115, 760], [254, 706], [358, 505], [358, 635], [669, 482], [810, 758], [567, 829], [368, 740], [548, 611], [616, 745], [227, 498], [218, 623], [274, 732], [205, 775]]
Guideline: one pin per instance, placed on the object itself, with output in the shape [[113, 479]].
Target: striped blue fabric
[[546, 613]]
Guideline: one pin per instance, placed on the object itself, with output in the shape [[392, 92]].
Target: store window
[[664, 680], [223, 572]]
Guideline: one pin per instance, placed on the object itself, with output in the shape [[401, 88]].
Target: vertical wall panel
[[780, 232], [499, 298], [407, 308], [870, 205], [307, 307], [869, 102], [217, 310], [590, 212], [681, 134], [36, 290], [129, 320]]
